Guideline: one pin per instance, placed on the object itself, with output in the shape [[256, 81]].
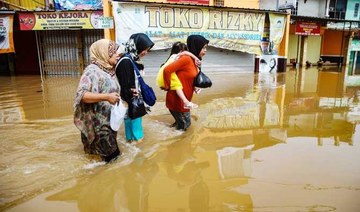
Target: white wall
[[315, 8], [312, 8], [268, 4]]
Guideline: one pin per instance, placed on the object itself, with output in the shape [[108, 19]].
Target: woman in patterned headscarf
[[97, 91], [137, 47]]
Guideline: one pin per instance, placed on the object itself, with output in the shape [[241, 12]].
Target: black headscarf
[[136, 44], [141, 41], [195, 43]]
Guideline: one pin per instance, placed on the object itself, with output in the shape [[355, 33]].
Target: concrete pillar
[[107, 10], [354, 64], [284, 46], [303, 50]]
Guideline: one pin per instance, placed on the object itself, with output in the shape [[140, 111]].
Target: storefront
[[354, 58], [235, 34], [60, 40], [352, 71], [315, 38], [6, 41]]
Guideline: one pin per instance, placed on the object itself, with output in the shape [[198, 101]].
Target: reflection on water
[[273, 142]]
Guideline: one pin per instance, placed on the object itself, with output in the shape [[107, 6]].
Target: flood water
[[283, 142]]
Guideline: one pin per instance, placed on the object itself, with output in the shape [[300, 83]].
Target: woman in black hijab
[[137, 47], [186, 70], [195, 44]]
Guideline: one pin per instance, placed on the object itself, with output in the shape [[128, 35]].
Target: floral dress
[[93, 119]]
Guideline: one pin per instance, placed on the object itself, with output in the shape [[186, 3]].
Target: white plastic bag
[[117, 115]]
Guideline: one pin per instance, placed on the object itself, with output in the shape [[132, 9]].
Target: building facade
[[63, 49], [49, 40], [332, 24]]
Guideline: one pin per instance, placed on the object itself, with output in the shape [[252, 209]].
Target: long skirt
[[104, 144]]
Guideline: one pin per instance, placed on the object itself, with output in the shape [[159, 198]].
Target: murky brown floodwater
[[286, 143]]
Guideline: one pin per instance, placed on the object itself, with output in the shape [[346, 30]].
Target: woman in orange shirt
[[186, 70]]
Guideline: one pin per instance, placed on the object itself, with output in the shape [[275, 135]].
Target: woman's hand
[[134, 91], [197, 62], [113, 98]]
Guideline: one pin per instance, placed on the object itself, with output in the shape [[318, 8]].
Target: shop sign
[[231, 29], [105, 22], [64, 20], [307, 28], [6, 34], [268, 64], [355, 45], [204, 2]]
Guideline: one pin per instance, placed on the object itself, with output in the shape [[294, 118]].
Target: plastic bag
[[117, 115], [202, 81], [136, 107]]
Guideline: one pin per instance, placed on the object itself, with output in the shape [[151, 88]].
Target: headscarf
[[195, 44], [136, 44], [100, 53]]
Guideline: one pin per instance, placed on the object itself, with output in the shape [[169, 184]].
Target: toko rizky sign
[[165, 24]]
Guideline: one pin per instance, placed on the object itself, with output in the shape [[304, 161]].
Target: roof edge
[[207, 6]]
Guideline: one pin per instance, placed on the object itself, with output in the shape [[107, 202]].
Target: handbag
[[147, 92], [117, 115], [202, 81], [136, 107]]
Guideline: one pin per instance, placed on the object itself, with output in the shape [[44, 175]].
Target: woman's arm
[[126, 77], [197, 61], [90, 97]]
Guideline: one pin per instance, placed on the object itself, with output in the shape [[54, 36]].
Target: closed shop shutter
[[89, 37], [215, 60], [66, 52]]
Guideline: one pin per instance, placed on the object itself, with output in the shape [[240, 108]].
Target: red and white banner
[[6, 34], [40, 20], [307, 28]]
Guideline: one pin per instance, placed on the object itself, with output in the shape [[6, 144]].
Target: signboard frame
[[64, 20], [307, 28]]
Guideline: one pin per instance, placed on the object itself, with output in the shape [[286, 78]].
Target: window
[[356, 10], [219, 3]]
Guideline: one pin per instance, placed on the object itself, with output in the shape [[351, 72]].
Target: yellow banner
[[64, 20], [277, 27], [6, 34], [225, 28]]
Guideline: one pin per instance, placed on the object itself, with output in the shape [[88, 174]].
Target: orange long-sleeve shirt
[[186, 71]]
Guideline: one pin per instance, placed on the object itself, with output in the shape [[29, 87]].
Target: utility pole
[[327, 4]]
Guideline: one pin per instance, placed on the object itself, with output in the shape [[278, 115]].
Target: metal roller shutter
[[66, 52], [216, 60]]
